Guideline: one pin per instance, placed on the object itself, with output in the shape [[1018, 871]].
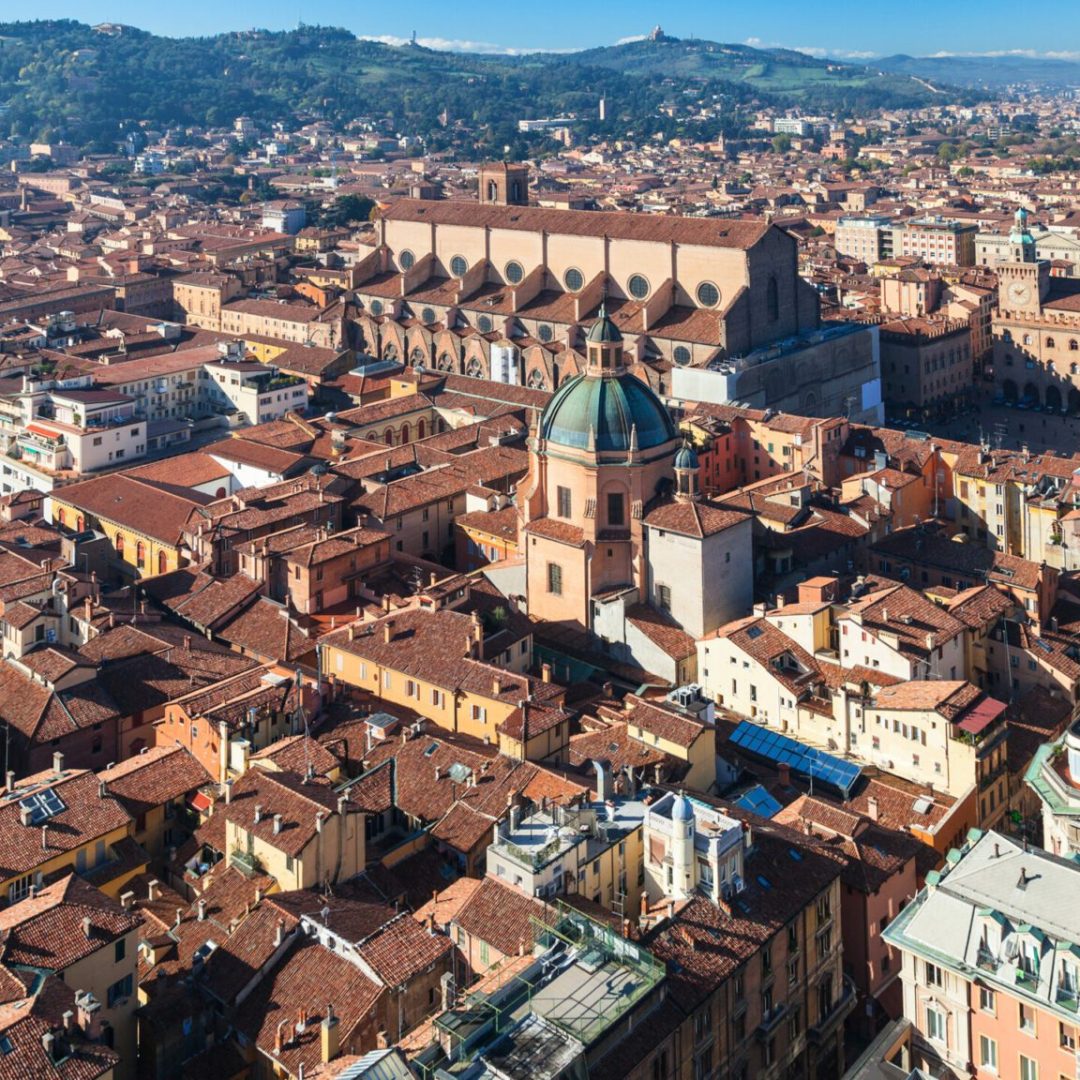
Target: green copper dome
[[604, 331], [606, 409]]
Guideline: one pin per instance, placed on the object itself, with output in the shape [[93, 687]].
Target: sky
[[847, 29]]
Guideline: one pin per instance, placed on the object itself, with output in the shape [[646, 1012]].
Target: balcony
[[1068, 998], [1027, 980], [841, 1006], [246, 862], [770, 1019]]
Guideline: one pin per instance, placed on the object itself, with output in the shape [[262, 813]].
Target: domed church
[[606, 457]]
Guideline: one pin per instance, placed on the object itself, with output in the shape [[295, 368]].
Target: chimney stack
[[58, 762], [277, 824], [545, 672], [330, 1036], [202, 910]]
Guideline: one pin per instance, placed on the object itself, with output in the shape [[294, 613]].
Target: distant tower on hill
[[603, 108], [657, 33]]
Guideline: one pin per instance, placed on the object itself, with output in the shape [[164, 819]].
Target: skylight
[[42, 805]]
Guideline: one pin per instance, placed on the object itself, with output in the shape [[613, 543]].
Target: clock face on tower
[[1020, 293]]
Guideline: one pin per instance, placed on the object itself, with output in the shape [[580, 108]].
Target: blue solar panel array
[[758, 801], [804, 761]]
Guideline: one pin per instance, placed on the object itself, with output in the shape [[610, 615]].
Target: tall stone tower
[[504, 184]]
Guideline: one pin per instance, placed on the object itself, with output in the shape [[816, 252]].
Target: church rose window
[[638, 286], [514, 272], [459, 266], [573, 279], [708, 294]]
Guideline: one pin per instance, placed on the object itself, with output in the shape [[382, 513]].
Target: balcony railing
[[246, 862], [1068, 998], [840, 1008]]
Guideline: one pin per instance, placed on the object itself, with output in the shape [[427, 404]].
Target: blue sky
[[843, 28]]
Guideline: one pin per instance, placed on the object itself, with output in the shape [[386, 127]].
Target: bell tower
[[1023, 279], [504, 184]]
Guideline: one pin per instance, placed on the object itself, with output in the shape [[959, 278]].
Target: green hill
[[63, 79]]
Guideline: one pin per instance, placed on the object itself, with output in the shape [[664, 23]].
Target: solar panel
[[758, 801], [806, 762]]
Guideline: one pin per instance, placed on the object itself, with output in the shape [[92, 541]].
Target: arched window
[[140, 555], [475, 368], [536, 380], [119, 545], [162, 563], [1072, 345], [421, 429], [61, 516], [80, 523], [492, 191], [404, 433], [388, 436], [772, 300], [1027, 339], [1049, 342]]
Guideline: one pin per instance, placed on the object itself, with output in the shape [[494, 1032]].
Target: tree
[[781, 143]]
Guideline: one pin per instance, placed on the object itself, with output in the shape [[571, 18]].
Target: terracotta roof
[[501, 916], [84, 817], [157, 775], [705, 232], [62, 924]]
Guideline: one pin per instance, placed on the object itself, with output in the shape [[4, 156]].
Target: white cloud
[[997, 54], [459, 45], [819, 52]]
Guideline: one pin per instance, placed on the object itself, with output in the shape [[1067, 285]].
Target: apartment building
[[936, 240], [926, 363], [451, 669], [774, 1000], [990, 972], [62, 821], [301, 833], [73, 931]]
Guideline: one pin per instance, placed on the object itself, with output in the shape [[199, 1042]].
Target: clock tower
[[1023, 280]]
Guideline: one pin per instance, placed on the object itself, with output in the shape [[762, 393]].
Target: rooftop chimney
[[87, 927], [58, 762], [277, 824], [388, 631], [258, 813], [279, 933], [545, 672], [783, 770], [872, 808], [330, 1036], [202, 910]]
